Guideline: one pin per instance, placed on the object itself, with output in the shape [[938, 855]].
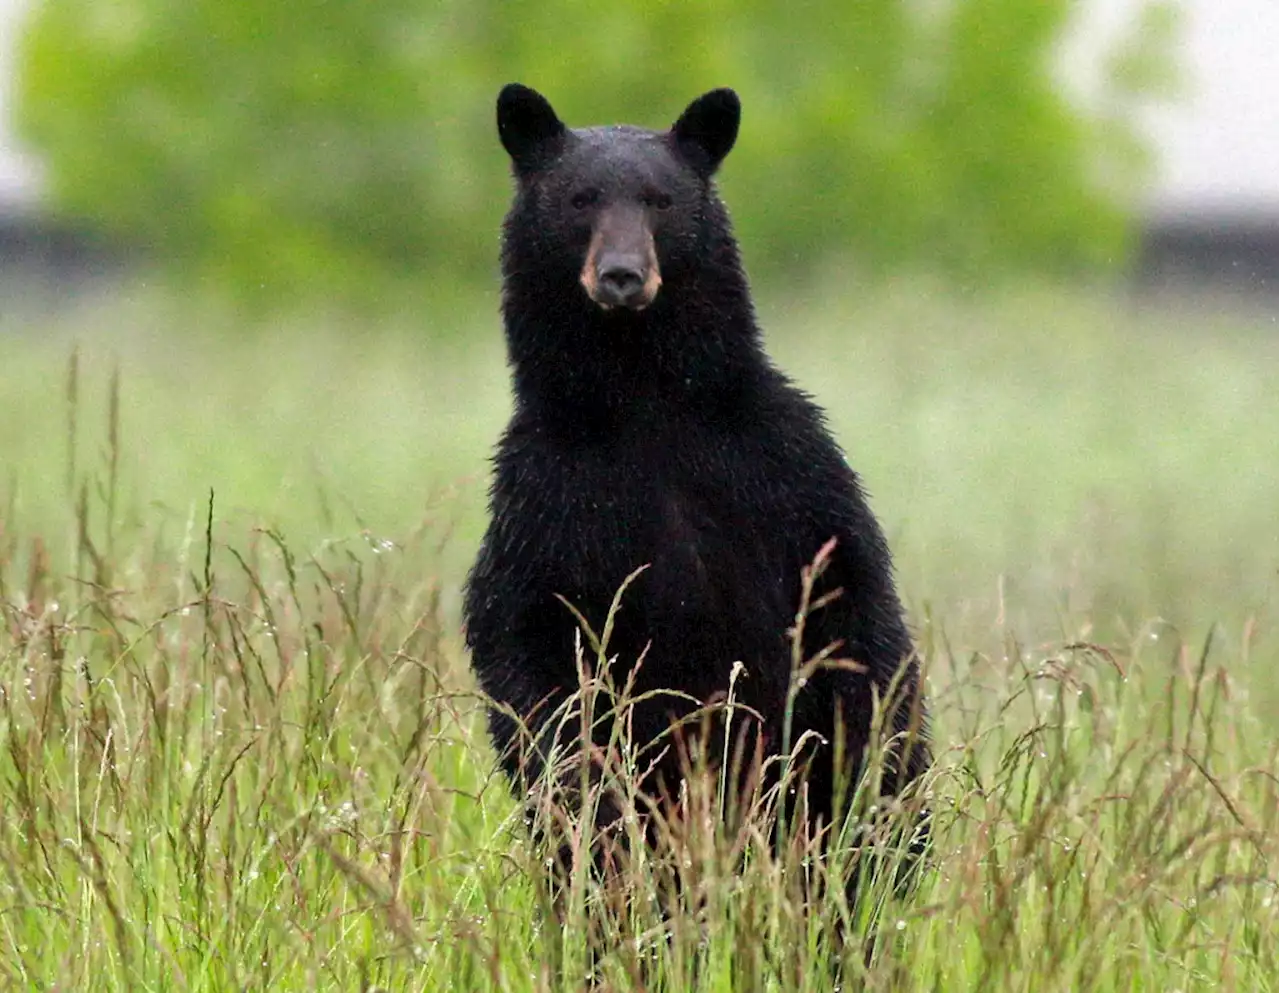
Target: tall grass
[[241, 756]]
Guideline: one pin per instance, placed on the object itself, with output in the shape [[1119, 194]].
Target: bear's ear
[[528, 127], [707, 129]]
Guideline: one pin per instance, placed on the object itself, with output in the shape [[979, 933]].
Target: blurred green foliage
[[317, 149]]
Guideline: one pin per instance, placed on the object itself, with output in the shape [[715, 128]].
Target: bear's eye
[[658, 201], [583, 199]]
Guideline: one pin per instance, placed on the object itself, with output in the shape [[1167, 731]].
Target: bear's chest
[[706, 520]]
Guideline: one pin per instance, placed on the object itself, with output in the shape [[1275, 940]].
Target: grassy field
[[240, 748]]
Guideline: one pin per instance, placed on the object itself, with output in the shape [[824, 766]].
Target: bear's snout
[[621, 267], [620, 283]]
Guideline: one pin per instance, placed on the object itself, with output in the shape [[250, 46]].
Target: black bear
[[651, 429]]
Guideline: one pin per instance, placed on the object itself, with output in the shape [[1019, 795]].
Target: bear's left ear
[[530, 131], [707, 129]]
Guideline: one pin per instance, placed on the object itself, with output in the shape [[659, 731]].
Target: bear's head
[[618, 210]]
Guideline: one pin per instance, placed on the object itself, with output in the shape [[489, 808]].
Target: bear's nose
[[621, 284]]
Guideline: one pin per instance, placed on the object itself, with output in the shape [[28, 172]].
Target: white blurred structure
[[1216, 142], [19, 184]]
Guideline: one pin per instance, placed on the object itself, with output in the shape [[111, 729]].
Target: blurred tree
[[316, 149]]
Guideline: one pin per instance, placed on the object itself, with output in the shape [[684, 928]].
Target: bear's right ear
[[528, 127]]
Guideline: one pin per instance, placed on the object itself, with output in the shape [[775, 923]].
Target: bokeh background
[[1023, 250]]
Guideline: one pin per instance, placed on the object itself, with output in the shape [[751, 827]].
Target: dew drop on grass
[[901, 925]]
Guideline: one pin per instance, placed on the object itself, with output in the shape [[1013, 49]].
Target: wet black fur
[[664, 438]]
